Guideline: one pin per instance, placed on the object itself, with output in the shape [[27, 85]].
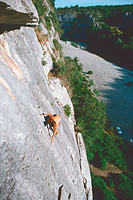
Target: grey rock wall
[[31, 166], [23, 6]]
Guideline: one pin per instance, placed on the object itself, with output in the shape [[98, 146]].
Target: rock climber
[[53, 121]]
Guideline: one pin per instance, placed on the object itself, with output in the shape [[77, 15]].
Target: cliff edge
[[31, 166]]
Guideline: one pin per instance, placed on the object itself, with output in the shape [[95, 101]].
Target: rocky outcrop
[[31, 166], [76, 26], [73, 17], [14, 14]]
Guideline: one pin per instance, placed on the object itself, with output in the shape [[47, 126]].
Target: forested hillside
[[106, 30]]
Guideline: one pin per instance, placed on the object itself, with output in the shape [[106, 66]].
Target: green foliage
[[119, 41], [103, 161], [44, 62], [98, 183], [108, 148], [74, 44], [91, 83], [79, 66], [114, 31], [91, 118], [48, 23], [41, 8], [111, 184], [56, 44], [90, 72], [67, 110], [90, 114], [96, 92], [56, 24], [52, 2], [56, 68], [125, 187], [64, 39]]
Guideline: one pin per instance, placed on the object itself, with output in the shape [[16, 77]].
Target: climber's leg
[[55, 131]]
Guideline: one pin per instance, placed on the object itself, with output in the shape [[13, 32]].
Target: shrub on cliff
[[41, 8], [57, 44], [74, 44], [67, 110], [90, 72], [56, 24]]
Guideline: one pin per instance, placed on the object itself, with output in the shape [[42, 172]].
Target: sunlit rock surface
[[31, 166]]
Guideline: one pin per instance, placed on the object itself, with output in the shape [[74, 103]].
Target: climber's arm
[[51, 116]]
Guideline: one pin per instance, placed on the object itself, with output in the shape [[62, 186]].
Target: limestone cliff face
[[31, 166]]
